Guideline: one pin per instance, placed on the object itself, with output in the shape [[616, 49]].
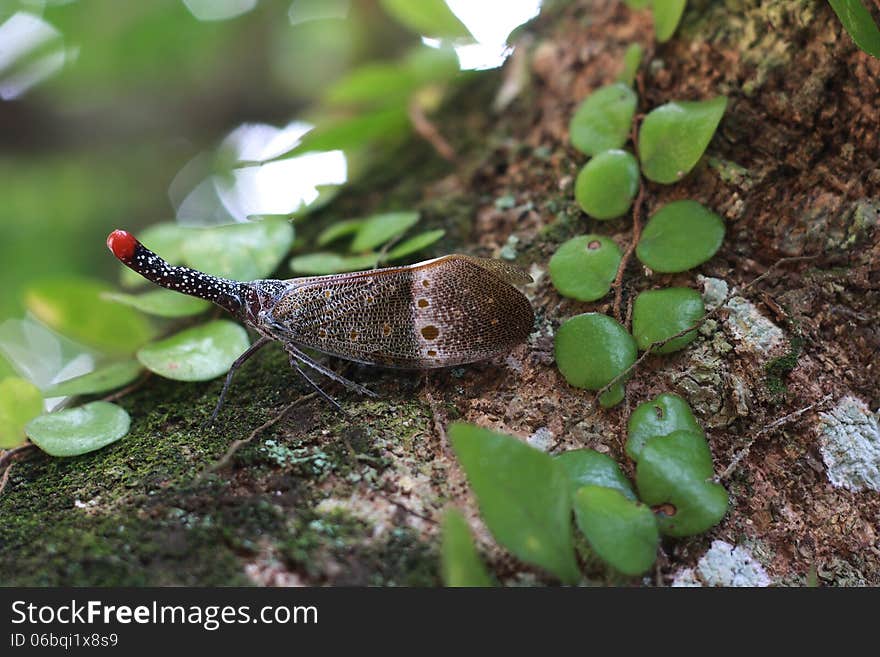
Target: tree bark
[[795, 171]]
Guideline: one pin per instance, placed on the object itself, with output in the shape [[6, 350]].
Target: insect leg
[[330, 374], [295, 365], [250, 351]]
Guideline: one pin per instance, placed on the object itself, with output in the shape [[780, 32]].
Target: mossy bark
[[319, 499]]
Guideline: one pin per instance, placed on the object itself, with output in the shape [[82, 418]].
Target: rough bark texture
[[794, 169]]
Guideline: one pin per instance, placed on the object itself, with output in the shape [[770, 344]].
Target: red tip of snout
[[122, 244]]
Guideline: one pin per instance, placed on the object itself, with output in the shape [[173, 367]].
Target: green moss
[[776, 370], [751, 29], [564, 226], [731, 172], [146, 540], [138, 512], [316, 538]]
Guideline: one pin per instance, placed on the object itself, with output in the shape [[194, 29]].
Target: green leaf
[[632, 59], [75, 307], [326, 193], [523, 497], [660, 314], [430, 18], [339, 230], [858, 22], [373, 84], [429, 64], [461, 564], [674, 475], [103, 379], [392, 82], [674, 136], [622, 532], [613, 396], [587, 467], [5, 368], [319, 264], [415, 244], [79, 430], [167, 240], [353, 132], [242, 252], [591, 350], [604, 120], [680, 236], [659, 417], [379, 228], [200, 353], [584, 267], [161, 303], [607, 184], [637, 4], [20, 402], [667, 16]]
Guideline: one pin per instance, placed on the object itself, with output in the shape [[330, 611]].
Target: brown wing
[[448, 311]]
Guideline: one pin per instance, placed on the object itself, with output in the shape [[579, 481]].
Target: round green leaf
[[674, 136], [415, 244], [242, 252], [167, 240], [79, 430], [523, 497], [680, 236], [592, 349], [603, 121], [108, 377], [379, 228], [162, 303], [632, 59], [667, 16], [461, 564], [587, 467], [339, 230], [584, 267], [622, 532], [20, 402], [674, 475], [613, 396], [76, 308], [318, 264], [659, 417], [660, 314], [196, 354], [606, 186]]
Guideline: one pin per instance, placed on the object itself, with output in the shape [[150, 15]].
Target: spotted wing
[[448, 311]]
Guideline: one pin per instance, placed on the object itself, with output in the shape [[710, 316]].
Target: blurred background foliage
[[126, 114]]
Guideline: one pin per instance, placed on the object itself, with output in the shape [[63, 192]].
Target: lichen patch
[[849, 440], [724, 565]]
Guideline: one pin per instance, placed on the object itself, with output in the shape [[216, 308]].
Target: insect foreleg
[[250, 351], [330, 374]]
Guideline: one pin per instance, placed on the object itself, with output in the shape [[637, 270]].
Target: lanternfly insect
[[448, 311]]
